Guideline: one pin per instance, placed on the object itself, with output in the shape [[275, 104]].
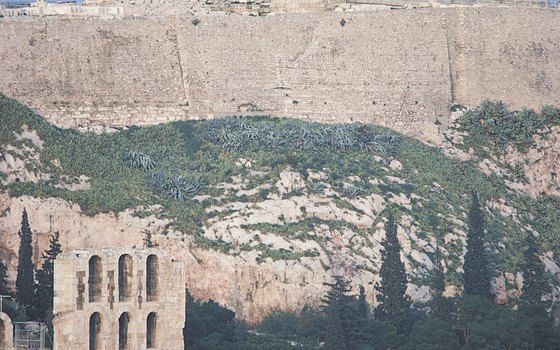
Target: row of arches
[[96, 327], [95, 280]]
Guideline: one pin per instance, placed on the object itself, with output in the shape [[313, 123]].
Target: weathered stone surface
[[124, 318], [372, 69]]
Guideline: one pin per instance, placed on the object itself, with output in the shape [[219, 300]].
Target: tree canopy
[[25, 282], [394, 303], [476, 278]]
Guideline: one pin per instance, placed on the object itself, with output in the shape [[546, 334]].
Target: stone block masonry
[[118, 299], [402, 69]]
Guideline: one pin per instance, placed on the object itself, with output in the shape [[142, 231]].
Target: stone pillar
[[6, 332]]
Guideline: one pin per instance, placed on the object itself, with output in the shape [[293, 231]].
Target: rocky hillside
[[264, 211]]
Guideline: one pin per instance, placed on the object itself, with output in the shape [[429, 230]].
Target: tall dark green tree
[[535, 282], [362, 304], [440, 305], [476, 278], [4, 285], [333, 306], [45, 278], [394, 303], [25, 282], [344, 327]]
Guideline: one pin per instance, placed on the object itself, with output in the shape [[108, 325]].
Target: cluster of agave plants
[[177, 187], [236, 133]]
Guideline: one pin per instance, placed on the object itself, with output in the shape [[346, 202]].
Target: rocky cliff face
[[253, 289], [543, 164], [271, 236]]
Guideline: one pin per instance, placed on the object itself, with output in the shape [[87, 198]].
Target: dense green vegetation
[[210, 326], [471, 323], [492, 128]]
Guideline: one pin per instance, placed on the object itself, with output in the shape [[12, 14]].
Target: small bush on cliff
[[493, 126]]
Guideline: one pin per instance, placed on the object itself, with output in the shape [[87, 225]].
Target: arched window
[[95, 278], [152, 266], [123, 331], [125, 277], [151, 330], [94, 331]]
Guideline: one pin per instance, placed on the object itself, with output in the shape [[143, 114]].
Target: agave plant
[[351, 191], [317, 187], [179, 187], [139, 160], [182, 188], [157, 181]]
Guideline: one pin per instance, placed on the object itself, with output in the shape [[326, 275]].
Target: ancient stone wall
[[402, 68], [118, 299], [506, 54]]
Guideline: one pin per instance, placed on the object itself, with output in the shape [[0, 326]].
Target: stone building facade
[[118, 299]]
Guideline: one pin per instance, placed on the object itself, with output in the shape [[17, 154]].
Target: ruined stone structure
[[118, 299], [6, 332], [403, 68]]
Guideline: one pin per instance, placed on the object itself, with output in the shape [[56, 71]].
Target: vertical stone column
[[6, 332]]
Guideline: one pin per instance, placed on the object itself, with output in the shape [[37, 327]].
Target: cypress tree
[[394, 303], [45, 278], [25, 283], [4, 285], [439, 304], [333, 307], [362, 304], [476, 279], [345, 326], [535, 283]]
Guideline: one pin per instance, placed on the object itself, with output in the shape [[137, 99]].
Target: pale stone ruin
[[6, 332], [118, 299]]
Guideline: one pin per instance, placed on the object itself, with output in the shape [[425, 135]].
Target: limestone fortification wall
[[403, 68]]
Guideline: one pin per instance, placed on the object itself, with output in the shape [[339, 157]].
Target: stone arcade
[[118, 299]]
